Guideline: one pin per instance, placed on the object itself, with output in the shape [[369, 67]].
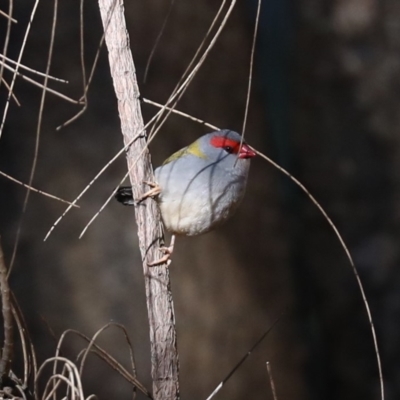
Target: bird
[[199, 187]]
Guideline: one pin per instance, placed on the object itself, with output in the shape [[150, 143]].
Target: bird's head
[[220, 147], [224, 147], [229, 142]]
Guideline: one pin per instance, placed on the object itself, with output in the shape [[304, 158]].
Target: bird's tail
[[124, 195]]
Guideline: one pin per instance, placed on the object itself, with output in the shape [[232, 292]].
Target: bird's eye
[[228, 149]]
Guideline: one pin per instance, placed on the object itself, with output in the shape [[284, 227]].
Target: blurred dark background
[[325, 105]]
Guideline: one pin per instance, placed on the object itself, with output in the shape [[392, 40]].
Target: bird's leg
[[166, 258], [154, 191]]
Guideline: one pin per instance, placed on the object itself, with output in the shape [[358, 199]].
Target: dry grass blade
[[37, 190], [182, 114], [7, 351], [111, 196], [183, 83], [349, 257], [111, 360], [21, 392], [22, 66], [89, 81], [250, 80], [178, 93], [202, 44], [38, 128], [186, 77], [83, 70], [8, 17], [21, 52], [104, 205], [14, 97], [7, 38], [243, 359], [105, 356], [69, 375], [153, 50], [82, 49], [89, 186], [271, 380], [97, 334], [28, 351], [33, 82]]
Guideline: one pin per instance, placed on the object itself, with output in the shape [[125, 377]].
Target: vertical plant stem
[[7, 351], [164, 354]]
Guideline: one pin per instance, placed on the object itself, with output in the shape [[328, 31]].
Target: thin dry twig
[[349, 257], [14, 97], [21, 52], [38, 129], [187, 76], [37, 190], [105, 356], [109, 198], [243, 359], [28, 351], [250, 79], [21, 392], [271, 380], [182, 114], [83, 70], [7, 16], [89, 81], [33, 82], [92, 343], [88, 186], [178, 93], [7, 38], [182, 83], [73, 380], [7, 351], [153, 50], [202, 44], [22, 66]]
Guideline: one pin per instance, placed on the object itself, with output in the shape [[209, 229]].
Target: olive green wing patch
[[175, 156], [193, 149]]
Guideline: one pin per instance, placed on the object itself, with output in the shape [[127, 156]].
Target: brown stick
[[164, 354], [7, 351]]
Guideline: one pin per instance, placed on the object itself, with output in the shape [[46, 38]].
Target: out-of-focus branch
[[164, 354], [7, 351]]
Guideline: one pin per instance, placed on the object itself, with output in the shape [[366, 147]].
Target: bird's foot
[[154, 191], [166, 258]]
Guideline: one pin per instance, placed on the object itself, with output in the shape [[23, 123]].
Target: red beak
[[246, 152]]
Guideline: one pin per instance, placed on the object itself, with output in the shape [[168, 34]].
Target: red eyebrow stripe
[[221, 142]]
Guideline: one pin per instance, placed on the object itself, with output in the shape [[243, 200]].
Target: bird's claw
[[166, 258], [154, 191]]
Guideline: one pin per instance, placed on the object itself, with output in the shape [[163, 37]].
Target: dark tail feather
[[124, 196]]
